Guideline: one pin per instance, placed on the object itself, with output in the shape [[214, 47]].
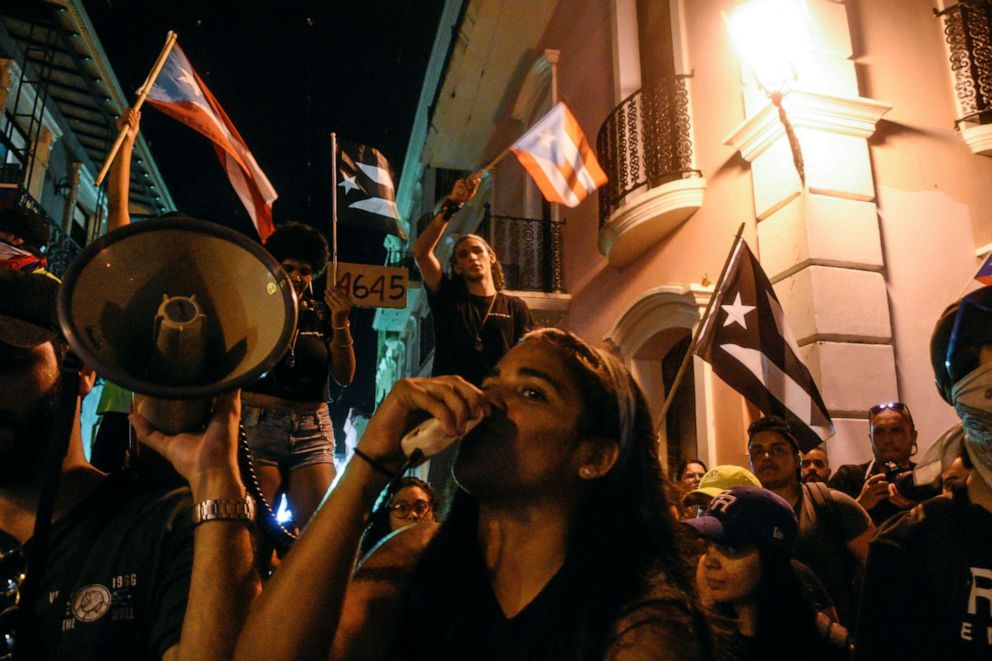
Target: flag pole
[[491, 164], [670, 396], [170, 41], [334, 209]]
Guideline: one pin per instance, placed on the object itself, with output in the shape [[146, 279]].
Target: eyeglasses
[[777, 451], [403, 510]]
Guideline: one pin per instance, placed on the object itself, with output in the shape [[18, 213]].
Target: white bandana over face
[[972, 397]]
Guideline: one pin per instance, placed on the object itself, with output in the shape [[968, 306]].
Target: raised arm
[[119, 181], [426, 243], [339, 339], [224, 582], [298, 614]]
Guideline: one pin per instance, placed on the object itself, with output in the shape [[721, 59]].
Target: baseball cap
[[717, 480], [27, 224], [28, 313], [748, 516]]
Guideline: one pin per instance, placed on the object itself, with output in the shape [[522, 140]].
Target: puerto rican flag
[[181, 94], [984, 274], [750, 346], [557, 156], [365, 189]]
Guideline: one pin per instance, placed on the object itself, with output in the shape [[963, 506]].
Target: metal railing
[[62, 248], [968, 30], [646, 141], [529, 250]]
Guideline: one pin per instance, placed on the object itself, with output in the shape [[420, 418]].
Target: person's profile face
[[773, 459], [29, 380], [691, 476], [532, 432], [729, 576], [473, 260], [815, 466], [892, 436], [300, 273], [410, 505]]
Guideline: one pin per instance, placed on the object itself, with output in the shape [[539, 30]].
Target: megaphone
[[177, 310]]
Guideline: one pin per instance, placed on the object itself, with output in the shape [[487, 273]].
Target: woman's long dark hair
[[623, 534], [786, 616]]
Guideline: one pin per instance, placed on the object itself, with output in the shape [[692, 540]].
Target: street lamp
[[770, 37]]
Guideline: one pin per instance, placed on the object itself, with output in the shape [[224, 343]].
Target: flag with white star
[[365, 189], [746, 340], [182, 95], [558, 158]]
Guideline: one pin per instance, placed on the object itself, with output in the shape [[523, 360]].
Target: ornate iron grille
[[968, 30], [645, 142], [62, 249], [528, 248]]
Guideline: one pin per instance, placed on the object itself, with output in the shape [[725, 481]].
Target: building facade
[[886, 226]]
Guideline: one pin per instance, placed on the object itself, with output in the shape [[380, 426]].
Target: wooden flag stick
[[170, 41], [334, 210], [491, 164], [670, 395]]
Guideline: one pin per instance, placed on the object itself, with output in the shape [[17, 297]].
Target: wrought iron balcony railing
[[646, 141], [529, 250], [968, 30], [62, 248]]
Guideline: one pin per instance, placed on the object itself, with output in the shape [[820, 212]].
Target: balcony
[[645, 147], [968, 30], [529, 250]]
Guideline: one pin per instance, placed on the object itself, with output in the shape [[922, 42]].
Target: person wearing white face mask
[[928, 583]]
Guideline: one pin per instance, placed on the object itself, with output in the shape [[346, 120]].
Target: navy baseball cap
[[748, 516]]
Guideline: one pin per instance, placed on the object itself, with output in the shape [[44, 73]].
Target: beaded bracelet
[[375, 463], [449, 207]]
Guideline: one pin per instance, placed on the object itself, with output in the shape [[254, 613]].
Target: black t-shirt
[[458, 320], [118, 575], [928, 584], [851, 480], [301, 374]]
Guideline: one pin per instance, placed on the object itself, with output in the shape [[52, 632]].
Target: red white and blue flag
[[558, 158], [181, 94], [984, 274]]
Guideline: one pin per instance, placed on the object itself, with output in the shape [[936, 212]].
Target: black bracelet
[[375, 463], [449, 207]]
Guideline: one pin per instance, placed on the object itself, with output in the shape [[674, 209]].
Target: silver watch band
[[225, 508]]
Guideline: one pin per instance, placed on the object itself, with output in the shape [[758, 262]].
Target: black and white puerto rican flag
[[750, 347], [365, 189]]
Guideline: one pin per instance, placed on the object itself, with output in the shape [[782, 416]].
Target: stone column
[[820, 245]]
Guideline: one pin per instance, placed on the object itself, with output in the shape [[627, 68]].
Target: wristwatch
[[235, 509]]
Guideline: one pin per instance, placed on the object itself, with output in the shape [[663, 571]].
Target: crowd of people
[[552, 531]]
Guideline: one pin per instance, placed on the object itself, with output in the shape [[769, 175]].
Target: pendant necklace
[[477, 341]]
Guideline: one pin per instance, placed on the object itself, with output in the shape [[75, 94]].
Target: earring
[[586, 471]]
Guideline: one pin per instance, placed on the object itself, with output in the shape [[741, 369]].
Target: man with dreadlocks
[[475, 323]]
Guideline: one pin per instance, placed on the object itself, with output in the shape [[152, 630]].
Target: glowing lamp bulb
[[770, 37]]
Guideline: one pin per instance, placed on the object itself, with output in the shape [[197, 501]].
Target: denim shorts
[[289, 439]]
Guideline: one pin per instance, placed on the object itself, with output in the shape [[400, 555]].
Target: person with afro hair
[[285, 413]]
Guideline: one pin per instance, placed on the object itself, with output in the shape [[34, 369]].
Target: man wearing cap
[[23, 237], [124, 577], [834, 531], [714, 482], [893, 441], [929, 573]]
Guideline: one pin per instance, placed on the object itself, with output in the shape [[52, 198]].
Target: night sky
[[287, 73]]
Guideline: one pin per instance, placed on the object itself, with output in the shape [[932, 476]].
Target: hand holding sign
[[370, 286]]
